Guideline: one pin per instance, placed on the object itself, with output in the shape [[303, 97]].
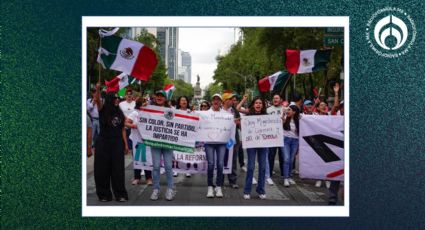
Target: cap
[[227, 96], [161, 92], [308, 102], [216, 95]]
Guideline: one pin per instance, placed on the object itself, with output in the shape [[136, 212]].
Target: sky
[[204, 44]]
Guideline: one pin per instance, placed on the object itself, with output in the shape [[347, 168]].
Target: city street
[[192, 191]]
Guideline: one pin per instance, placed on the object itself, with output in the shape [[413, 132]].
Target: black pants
[[148, 174], [109, 168], [241, 156], [272, 155]]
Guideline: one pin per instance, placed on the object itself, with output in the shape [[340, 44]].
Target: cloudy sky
[[204, 44]]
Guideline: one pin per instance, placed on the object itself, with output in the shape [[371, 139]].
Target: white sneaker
[[286, 182], [318, 184], [218, 192], [142, 173], [188, 175], [262, 196], [175, 174], [246, 196], [254, 181], [244, 169], [169, 195], [328, 184], [291, 181], [162, 171], [155, 194], [210, 193], [270, 181]]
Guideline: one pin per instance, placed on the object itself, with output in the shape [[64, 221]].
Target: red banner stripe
[[187, 117], [335, 174], [152, 111]]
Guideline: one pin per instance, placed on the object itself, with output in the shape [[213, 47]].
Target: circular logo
[[390, 32], [127, 53], [169, 114]]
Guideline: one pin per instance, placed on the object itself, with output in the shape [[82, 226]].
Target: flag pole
[[286, 85], [100, 46]]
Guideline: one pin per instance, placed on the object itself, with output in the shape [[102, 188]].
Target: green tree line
[[261, 52]]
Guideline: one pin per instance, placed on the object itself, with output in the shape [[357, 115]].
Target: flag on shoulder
[[169, 90], [130, 57], [273, 82], [119, 82], [306, 61]]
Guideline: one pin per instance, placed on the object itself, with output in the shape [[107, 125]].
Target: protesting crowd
[[113, 132]]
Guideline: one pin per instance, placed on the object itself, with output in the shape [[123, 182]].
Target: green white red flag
[[306, 61], [130, 57], [273, 82]]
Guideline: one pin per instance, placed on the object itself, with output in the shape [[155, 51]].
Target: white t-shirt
[[291, 133], [127, 108], [92, 108], [135, 134], [274, 110]]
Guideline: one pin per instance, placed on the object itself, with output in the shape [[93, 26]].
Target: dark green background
[[41, 116]]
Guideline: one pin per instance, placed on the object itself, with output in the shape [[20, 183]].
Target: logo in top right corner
[[391, 32]]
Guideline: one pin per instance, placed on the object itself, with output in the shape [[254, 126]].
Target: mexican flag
[[119, 82], [273, 82], [127, 56], [169, 90], [306, 61]]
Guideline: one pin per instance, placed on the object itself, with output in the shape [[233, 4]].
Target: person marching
[[183, 104], [136, 140], [110, 149], [257, 107], [290, 138], [167, 154], [215, 156]]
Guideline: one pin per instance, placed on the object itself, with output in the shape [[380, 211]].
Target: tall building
[[187, 62], [169, 39]]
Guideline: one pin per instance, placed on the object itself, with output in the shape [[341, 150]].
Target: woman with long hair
[[183, 104], [291, 127], [110, 149], [257, 107]]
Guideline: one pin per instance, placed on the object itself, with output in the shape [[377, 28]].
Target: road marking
[[312, 196], [273, 193]]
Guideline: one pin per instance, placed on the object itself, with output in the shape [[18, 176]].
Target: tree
[[262, 52], [212, 89]]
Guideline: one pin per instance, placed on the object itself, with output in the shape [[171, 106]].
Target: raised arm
[[336, 99], [239, 106]]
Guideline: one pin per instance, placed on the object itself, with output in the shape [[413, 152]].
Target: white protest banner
[[322, 147], [182, 162], [169, 128], [261, 131], [215, 126]]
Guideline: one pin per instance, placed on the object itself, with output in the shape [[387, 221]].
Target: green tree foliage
[[262, 52], [212, 89]]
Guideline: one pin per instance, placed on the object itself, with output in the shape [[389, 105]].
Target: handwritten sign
[[215, 126], [262, 131], [163, 127]]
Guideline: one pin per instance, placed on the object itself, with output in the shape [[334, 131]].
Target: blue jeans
[[267, 164], [262, 155], [168, 160], [215, 153], [95, 130], [290, 148]]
